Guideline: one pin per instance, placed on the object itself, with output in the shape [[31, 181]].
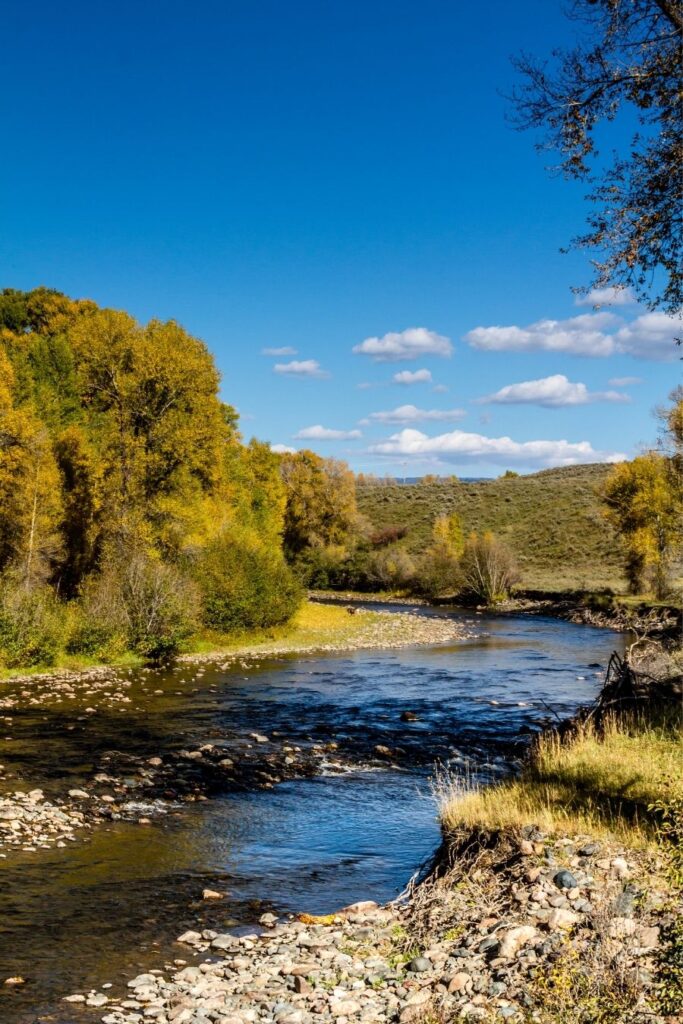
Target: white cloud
[[286, 350], [412, 377], [580, 335], [606, 297], [461, 447], [320, 433], [439, 389], [411, 414], [412, 343], [552, 392], [649, 336], [624, 382], [301, 368], [282, 449]]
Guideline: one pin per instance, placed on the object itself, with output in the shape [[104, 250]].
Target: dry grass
[[591, 784], [313, 625]]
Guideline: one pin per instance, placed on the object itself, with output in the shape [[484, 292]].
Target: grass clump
[[574, 991], [595, 782]]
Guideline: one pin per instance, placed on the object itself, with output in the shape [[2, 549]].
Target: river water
[[112, 903]]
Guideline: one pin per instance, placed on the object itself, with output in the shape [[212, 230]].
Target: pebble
[[565, 880], [419, 964]]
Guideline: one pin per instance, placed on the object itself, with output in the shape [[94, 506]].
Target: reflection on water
[[112, 904]]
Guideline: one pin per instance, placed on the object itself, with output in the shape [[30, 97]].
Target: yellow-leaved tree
[[643, 502]]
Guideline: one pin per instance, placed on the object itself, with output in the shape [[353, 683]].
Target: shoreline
[[363, 630], [580, 607], [509, 923], [499, 934]]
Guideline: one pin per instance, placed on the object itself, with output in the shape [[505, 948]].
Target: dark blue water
[[76, 917]]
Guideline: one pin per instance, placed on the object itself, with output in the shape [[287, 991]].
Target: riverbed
[[111, 903]]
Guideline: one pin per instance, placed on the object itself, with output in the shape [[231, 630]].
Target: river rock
[[565, 880], [459, 982], [212, 894], [513, 940], [418, 965]]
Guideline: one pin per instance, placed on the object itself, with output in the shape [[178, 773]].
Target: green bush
[[136, 602], [438, 573], [32, 626], [244, 584], [97, 629]]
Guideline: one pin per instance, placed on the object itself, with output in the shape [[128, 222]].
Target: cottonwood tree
[[321, 502], [644, 505], [627, 66]]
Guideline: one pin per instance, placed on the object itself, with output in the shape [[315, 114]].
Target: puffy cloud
[[301, 368], [412, 343], [286, 350], [624, 382], [580, 335], [460, 447], [411, 414], [607, 297], [649, 336], [320, 433], [412, 377], [282, 449], [552, 392]]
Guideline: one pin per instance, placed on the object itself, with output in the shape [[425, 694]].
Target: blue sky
[[311, 177]]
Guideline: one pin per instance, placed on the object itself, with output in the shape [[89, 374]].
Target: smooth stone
[[565, 880]]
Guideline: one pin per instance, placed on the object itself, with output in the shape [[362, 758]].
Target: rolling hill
[[552, 520]]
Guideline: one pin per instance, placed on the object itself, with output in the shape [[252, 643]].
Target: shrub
[[244, 584], [324, 567], [138, 602], [488, 569], [438, 573], [98, 620], [32, 625], [389, 535], [390, 569]]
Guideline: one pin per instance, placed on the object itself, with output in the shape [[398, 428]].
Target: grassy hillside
[[552, 520]]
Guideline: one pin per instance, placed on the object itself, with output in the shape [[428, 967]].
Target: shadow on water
[[112, 903]]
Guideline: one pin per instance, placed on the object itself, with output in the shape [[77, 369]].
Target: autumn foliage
[[126, 491]]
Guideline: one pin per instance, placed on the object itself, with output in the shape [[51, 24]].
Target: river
[[111, 904]]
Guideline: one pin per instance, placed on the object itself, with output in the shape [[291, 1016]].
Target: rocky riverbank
[[513, 931], [660, 621]]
